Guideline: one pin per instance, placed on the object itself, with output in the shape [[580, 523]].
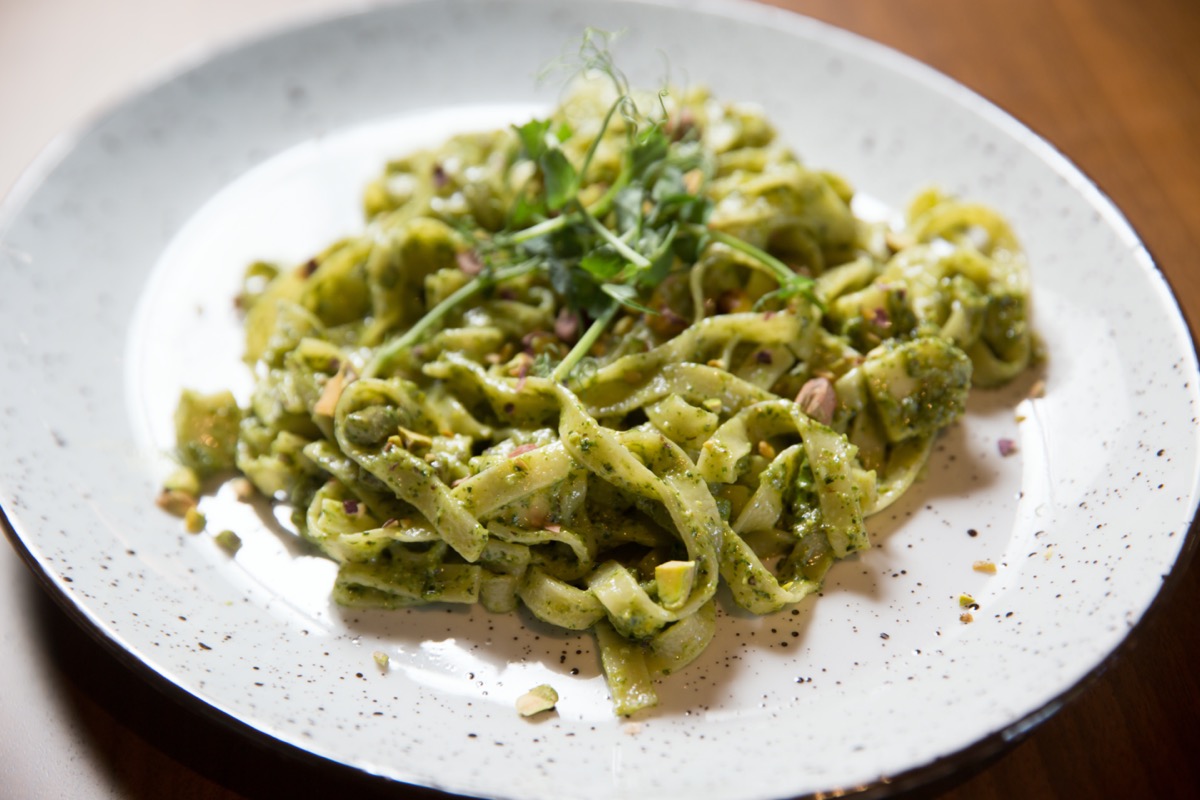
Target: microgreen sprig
[[612, 252], [384, 356], [791, 283]]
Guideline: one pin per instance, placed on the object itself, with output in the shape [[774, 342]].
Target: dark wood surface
[[1113, 84]]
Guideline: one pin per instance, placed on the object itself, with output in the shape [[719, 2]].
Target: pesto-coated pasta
[[596, 365]]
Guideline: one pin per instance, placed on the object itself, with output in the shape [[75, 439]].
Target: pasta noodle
[[599, 364]]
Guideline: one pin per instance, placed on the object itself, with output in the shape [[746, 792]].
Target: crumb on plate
[[536, 700]]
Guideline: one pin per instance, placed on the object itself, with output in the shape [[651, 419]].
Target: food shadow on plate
[[487, 640], [150, 742], [148, 739]]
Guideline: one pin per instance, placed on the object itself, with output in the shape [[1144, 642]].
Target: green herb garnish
[[611, 252]]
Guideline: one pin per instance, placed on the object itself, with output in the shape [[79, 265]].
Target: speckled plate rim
[[972, 755]]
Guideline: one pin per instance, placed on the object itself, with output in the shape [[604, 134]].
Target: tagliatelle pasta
[[596, 365]]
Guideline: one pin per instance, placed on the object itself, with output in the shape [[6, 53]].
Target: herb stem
[[585, 343], [383, 357], [591, 151], [553, 224], [543, 228], [618, 244], [777, 268]]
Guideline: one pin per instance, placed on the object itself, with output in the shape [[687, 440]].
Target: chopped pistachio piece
[[183, 479], [536, 700], [193, 520], [330, 393], [243, 489], [228, 541], [176, 502], [674, 580]]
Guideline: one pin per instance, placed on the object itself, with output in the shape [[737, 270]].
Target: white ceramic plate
[[122, 247]]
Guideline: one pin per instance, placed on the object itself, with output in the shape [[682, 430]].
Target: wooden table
[[1115, 85]]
